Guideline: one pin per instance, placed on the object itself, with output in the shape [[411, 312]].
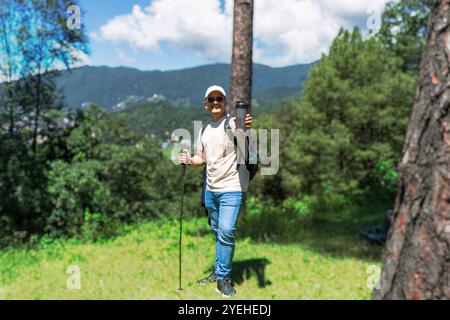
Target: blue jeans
[[223, 209]]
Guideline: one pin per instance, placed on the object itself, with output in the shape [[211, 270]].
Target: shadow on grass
[[244, 270]]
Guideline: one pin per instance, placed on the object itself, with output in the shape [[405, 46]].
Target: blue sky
[[176, 34], [99, 12]]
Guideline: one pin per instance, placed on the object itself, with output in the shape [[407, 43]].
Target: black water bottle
[[241, 112]]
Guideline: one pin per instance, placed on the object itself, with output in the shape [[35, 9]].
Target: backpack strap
[[252, 168], [201, 133], [246, 156], [227, 126]]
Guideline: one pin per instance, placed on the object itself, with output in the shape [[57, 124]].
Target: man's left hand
[[248, 121]]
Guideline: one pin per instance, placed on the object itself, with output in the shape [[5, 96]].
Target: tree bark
[[241, 63], [416, 258]]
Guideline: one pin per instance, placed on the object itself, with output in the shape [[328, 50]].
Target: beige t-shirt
[[222, 172]]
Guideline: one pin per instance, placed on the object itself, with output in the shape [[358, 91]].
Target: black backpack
[[251, 167]]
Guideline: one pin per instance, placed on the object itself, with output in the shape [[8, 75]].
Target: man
[[226, 183]]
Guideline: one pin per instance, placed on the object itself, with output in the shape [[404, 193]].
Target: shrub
[[264, 219]]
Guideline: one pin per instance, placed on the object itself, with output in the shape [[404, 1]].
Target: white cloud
[[301, 29], [351, 8], [285, 31], [199, 26]]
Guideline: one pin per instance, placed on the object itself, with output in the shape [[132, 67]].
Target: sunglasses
[[218, 99]]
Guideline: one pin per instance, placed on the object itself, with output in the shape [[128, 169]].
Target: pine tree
[[404, 25], [352, 117]]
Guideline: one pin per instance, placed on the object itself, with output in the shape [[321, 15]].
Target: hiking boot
[[225, 288], [211, 278]]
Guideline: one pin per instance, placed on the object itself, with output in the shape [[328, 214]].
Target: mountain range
[[120, 87]]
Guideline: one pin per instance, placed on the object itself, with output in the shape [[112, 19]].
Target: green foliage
[[97, 225], [266, 220], [114, 173], [24, 201], [113, 177], [404, 26], [387, 174], [352, 116], [159, 120], [33, 42], [72, 188]]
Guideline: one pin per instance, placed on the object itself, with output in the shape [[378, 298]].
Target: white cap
[[215, 88]]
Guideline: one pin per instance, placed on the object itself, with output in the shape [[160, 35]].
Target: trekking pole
[[183, 172]]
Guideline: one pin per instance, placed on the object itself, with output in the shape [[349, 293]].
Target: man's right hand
[[184, 158]]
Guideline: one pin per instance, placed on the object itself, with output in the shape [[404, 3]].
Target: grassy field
[[326, 261]]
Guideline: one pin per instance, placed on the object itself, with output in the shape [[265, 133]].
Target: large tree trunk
[[416, 259], [241, 64]]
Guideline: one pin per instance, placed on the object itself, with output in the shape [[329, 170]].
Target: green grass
[[142, 263]]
